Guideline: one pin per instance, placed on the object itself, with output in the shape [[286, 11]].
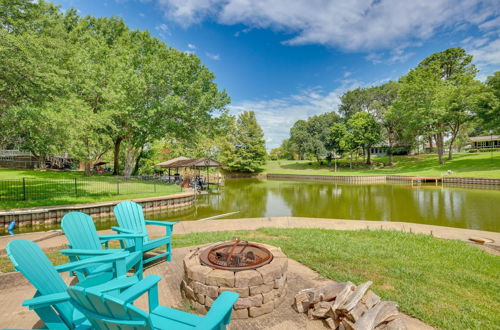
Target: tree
[[365, 132], [354, 101], [488, 110], [336, 141], [244, 148]]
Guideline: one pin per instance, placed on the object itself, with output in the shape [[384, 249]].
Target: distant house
[[15, 158], [481, 142], [381, 150]]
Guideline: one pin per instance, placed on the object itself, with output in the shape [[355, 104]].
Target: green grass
[[445, 283], [47, 188], [481, 165]]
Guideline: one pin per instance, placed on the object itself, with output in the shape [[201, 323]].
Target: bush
[[472, 150], [489, 149]]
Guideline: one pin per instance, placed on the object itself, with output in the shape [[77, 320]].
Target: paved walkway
[[185, 227], [13, 315]]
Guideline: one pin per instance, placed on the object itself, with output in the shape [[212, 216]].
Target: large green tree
[[365, 132], [244, 148]]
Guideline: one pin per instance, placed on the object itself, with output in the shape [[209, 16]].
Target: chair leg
[[168, 250], [139, 268]]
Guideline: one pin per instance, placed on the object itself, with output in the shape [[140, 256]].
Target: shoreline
[[49, 240]]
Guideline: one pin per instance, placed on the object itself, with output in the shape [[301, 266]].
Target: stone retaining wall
[[52, 215]]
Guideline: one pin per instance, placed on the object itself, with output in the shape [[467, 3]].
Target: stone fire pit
[[261, 289]]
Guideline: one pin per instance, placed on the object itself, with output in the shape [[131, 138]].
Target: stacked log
[[344, 306]]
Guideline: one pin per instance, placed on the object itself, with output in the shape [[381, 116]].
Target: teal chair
[[84, 242], [131, 220], [51, 301], [118, 312]]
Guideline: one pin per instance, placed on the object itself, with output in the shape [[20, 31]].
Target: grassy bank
[[481, 165], [47, 188], [448, 284]]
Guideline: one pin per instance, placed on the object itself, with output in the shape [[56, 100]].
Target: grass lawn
[[46, 188], [445, 283], [481, 165]]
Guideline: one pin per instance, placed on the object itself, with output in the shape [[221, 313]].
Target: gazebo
[[191, 163]]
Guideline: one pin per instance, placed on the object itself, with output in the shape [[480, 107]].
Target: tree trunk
[[116, 160], [87, 168], [440, 147], [389, 154], [130, 159], [454, 132], [350, 160], [136, 167], [368, 156], [430, 144]]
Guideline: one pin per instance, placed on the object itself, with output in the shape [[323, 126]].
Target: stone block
[[208, 301], [264, 309], [282, 263], [243, 292], [269, 296], [188, 292], [247, 278], [270, 272], [212, 291], [239, 314], [263, 288], [199, 307], [199, 273], [219, 277], [199, 288], [252, 301], [200, 298], [280, 282]]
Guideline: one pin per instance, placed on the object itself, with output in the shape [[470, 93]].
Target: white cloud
[[163, 30], [350, 25], [191, 46], [485, 49], [276, 116], [214, 57]]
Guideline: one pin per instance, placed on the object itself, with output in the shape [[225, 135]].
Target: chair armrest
[[83, 252], [159, 223], [118, 257], [149, 285], [219, 310], [123, 230], [120, 236], [116, 284], [46, 300]]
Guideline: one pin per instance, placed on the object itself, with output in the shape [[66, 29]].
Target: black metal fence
[[47, 188]]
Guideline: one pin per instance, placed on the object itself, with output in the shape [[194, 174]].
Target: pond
[[451, 206]]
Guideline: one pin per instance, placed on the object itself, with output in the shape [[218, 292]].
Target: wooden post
[[24, 189]]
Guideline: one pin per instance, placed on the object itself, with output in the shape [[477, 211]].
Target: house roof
[[187, 162], [484, 138]]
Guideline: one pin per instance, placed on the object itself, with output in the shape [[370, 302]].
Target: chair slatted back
[[30, 261], [129, 215], [80, 231], [107, 312]]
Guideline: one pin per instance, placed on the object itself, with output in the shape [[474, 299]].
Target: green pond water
[[453, 206]]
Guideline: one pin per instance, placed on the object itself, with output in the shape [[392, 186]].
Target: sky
[[291, 59]]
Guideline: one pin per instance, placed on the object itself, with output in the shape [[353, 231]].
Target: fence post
[[24, 189], [118, 186], [154, 185], [76, 189]]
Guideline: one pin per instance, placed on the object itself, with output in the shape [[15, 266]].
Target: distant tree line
[[91, 86], [439, 102]]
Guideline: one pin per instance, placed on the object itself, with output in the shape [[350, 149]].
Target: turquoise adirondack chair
[[118, 312], [84, 242], [131, 220], [51, 301]]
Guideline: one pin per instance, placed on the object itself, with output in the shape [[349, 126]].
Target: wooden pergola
[[192, 163]]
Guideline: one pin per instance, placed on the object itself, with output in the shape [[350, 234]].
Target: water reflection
[[446, 206]]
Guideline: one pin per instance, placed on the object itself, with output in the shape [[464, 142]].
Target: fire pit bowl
[[236, 256], [257, 272]]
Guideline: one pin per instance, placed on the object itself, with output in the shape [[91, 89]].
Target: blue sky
[[290, 59]]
